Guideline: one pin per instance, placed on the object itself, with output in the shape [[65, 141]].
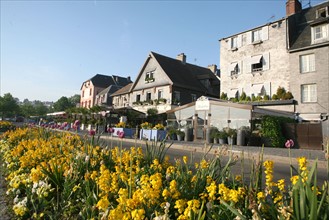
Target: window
[[257, 63], [83, 93], [149, 76], [234, 42], [307, 63], [193, 96], [234, 69], [257, 35], [176, 98], [320, 32], [148, 96], [309, 93], [138, 98], [322, 13], [244, 39], [160, 94], [90, 91]]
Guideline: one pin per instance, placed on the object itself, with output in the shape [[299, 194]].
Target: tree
[[27, 108], [8, 106], [62, 104], [75, 99], [40, 108]]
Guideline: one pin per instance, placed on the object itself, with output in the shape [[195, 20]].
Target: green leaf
[[233, 210]]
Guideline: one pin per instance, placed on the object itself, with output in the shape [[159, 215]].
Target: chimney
[[128, 79], [293, 7], [181, 57], [213, 68]]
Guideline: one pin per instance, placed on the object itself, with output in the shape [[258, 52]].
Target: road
[[281, 167]]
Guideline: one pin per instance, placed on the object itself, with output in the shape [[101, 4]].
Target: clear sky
[[48, 48]]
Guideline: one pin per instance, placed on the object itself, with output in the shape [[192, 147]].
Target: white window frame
[[307, 63], [138, 97], [308, 93], [234, 42], [320, 32], [320, 12], [256, 35], [148, 96], [160, 94]]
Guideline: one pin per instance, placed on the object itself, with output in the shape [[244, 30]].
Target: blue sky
[[48, 48]]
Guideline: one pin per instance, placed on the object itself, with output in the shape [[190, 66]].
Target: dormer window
[[320, 32], [322, 12], [257, 36], [234, 43]]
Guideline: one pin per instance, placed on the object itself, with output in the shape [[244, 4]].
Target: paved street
[[280, 156]]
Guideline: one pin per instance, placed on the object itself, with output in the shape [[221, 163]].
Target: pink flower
[[110, 130], [77, 123], [92, 132], [289, 143], [118, 132], [121, 134]]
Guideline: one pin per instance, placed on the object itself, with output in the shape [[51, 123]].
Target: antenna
[[272, 17]]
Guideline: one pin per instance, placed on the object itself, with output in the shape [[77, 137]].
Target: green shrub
[[243, 96], [288, 96], [223, 96], [275, 97], [280, 92], [271, 128]]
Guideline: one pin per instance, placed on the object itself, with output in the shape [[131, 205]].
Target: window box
[[152, 134]]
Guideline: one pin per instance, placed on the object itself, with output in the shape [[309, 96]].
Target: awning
[[257, 88], [256, 59], [233, 66]]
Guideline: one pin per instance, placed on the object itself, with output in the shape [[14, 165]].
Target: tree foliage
[[8, 106]]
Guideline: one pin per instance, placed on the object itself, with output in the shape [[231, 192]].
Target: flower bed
[[56, 175]]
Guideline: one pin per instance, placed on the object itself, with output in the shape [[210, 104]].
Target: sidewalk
[[251, 152]]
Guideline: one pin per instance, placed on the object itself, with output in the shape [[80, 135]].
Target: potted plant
[[172, 133], [180, 135], [146, 131], [122, 127], [222, 137], [213, 135], [231, 136], [158, 132]]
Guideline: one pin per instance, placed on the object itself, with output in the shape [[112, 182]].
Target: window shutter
[[239, 41], [249, 37], [240, 67], [266, 61], [229, 43], [229, 70], [246, 65], [265, 33]]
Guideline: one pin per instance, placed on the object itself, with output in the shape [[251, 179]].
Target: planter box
[[152, 134], [128, 132]]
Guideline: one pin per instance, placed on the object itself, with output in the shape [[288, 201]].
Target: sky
[[49, 48]]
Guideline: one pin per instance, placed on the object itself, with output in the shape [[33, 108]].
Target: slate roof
[[185, 75], [300, 24], [111, 89], [104, 81], [123, 90]]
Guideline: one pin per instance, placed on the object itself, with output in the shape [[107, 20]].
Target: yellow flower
[[294, 179], [103, 203], [180, 205], [238, 178], [212, 190], [138, 214], [185, 159], [260, 196], [280, 185]]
